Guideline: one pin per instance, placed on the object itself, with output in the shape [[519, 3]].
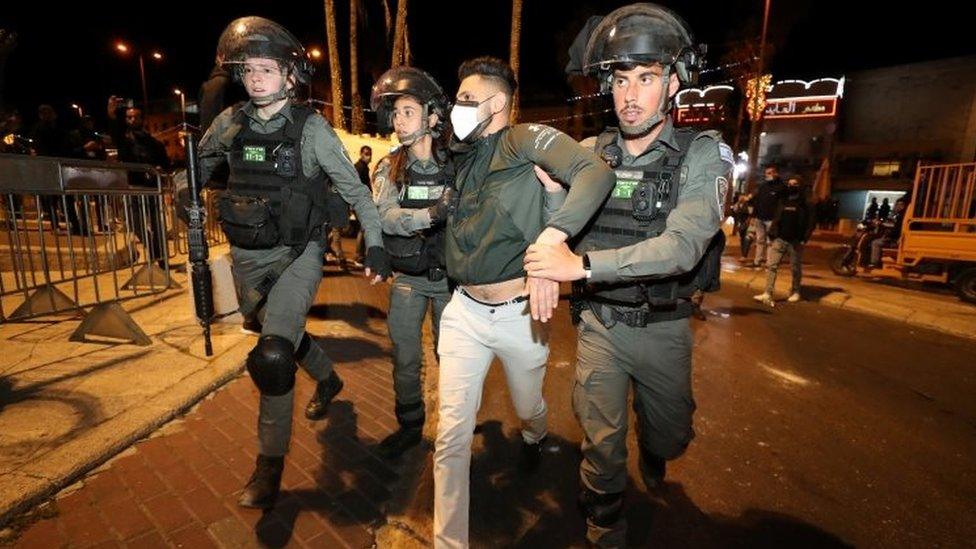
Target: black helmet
[[400, 81], [643, 34], [259, 37]]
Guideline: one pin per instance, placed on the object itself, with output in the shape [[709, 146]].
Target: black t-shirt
[[362, 168]]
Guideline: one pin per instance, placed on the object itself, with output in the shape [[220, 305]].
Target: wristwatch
[[586, 266]]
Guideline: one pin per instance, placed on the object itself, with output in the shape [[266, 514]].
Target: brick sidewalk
[[179, 488]]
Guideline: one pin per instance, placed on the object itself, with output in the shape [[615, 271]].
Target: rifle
[[197, 244]]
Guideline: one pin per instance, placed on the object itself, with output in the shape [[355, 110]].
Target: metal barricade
[[79, 234]]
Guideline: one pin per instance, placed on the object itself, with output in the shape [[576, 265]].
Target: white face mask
[[465, 119]]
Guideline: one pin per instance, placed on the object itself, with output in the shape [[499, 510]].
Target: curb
[[110, 438], [873, 307]]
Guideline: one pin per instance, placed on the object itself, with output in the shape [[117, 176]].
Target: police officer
[[414, 191], [640, 261], [282, 158]]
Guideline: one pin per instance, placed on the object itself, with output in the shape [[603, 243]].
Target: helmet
[[400, 81], [643, 34], [259, 37]]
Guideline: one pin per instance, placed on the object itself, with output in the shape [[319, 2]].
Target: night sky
[[65, 53]]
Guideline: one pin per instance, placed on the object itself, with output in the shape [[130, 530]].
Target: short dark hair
[[365, 148], [491, 68], [771, 165]]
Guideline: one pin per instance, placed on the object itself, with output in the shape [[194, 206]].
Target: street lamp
[[315, 53], [178, 92], [77, 107], [124, 48]]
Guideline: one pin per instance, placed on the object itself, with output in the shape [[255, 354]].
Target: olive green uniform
[[654, 360], [287, 304]]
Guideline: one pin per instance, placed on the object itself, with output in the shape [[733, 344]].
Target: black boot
[[251, 325], [601, 510], [262, 490], [325, 391], [411, 418], [652, 470], [532, 455], [400, 441]]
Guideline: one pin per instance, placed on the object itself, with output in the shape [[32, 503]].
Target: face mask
[[464, 118]]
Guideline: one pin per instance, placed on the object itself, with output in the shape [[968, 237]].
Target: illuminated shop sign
[[801, 107]]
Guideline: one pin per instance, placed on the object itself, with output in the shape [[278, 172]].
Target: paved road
[[816, 427]]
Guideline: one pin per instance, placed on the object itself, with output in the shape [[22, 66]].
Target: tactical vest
[[269, 201], [637, 210], [422, 252]]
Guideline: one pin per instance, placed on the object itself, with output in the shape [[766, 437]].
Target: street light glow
[[177, 91], [315, 53], [122, 47], [157, 56]]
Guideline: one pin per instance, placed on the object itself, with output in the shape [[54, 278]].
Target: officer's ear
[[673, 84], [432, 120]]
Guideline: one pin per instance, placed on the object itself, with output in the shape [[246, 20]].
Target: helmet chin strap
[[412, 138], [282, 93], [641, 130], [269, 99]]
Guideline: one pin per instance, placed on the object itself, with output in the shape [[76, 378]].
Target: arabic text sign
[[797, 107]]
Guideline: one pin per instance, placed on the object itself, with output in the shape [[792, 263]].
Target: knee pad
[[271, 365], [602, 510]]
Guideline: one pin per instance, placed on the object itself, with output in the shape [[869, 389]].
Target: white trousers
[[471, 335]]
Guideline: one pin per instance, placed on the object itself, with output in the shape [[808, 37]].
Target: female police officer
[[282, 157], [413, 190]]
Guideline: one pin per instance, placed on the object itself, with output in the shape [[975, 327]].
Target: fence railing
[[79, 236]]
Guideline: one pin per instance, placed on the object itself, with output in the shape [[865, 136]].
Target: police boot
[[325, 391], [652, 470], [262, 490], [532, 455], [411, 418], [602, 513]]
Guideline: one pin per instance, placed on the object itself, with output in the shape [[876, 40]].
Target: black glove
[[444, 206], [378, 262], [183, 202]]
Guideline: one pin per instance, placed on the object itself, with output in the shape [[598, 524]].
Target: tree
[[514, 57], [357, 103], [400, 34], [335, 69]]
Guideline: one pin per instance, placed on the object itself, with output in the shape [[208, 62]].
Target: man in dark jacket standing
[[136, 145], [790, 228], [764, 207]]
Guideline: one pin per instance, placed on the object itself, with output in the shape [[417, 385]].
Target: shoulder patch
[[721, 192], [725, 152]]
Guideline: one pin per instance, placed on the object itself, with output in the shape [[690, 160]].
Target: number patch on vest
[[416, 192], [624, 188], [253, 154]]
